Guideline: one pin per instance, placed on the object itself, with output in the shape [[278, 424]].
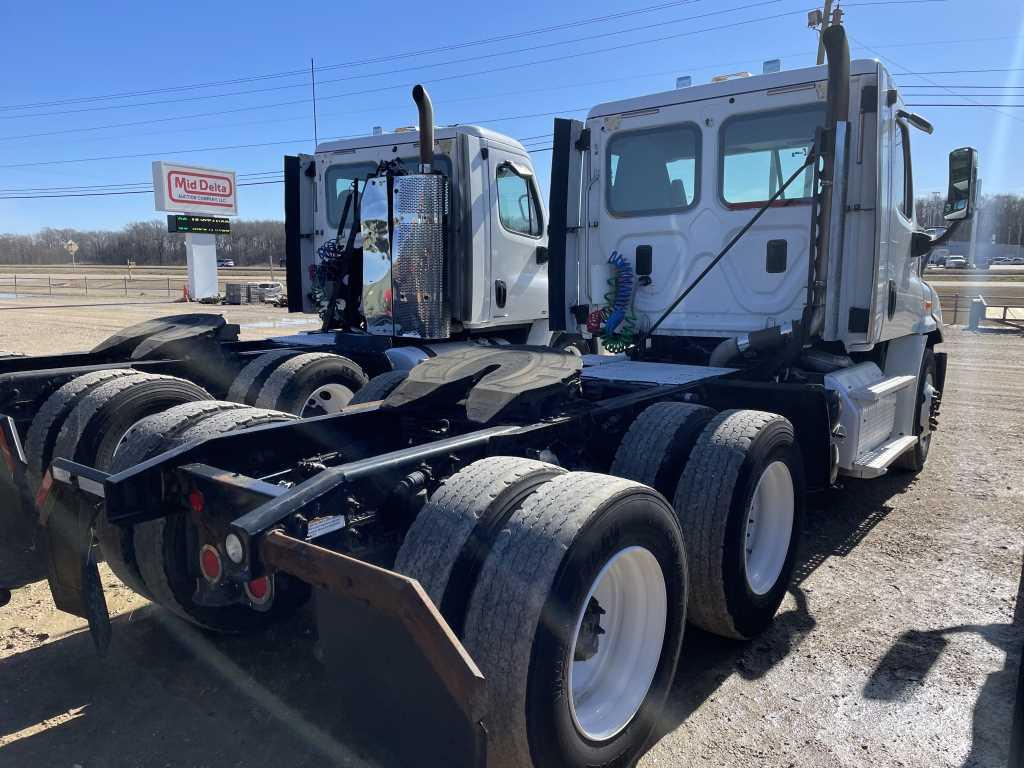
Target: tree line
[[256, 243], [147, 243], [1000, 218]]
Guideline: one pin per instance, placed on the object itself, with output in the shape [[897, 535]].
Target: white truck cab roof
[[732, 87], [413, 137]]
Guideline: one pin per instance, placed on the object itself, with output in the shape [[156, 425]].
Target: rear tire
[[312, 384], [452, 535], [250, 380], [42, 434], [164, 548], [740, 502], [379, 387], [92, 431], [581, 542], [655, 448]]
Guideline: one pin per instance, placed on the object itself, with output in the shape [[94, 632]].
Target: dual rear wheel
[[571, 590]]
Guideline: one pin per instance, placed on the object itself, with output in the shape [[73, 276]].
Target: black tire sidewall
[[751, 612], [307, 380], [638, 520]]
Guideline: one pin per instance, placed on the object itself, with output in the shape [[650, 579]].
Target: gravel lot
[[898, 645]]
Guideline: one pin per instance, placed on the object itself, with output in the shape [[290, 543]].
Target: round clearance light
[[234, 549], [209, 564], [260, 592]]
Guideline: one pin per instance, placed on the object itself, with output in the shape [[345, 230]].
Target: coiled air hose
[[615, 323]]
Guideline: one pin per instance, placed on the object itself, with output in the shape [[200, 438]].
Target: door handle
[[542, 254], [892, 299], [500, 293]]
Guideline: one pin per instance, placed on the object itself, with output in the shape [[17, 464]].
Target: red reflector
[[209, 563], [8, 456], [259, 588], [44, 490], [196, 500]]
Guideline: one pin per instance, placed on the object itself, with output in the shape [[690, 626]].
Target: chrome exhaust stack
[[405, 238]]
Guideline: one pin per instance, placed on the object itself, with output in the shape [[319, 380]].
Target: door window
[[338, 183], [902, 181], [653, 171], [517, 202], [761, 151]]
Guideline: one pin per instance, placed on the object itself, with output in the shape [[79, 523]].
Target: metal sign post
[[204, 195]]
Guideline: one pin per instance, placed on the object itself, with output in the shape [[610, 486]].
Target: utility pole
[[312, 77], [826, 16]]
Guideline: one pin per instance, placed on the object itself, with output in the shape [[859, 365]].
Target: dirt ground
[[45, 326], [897, 646]]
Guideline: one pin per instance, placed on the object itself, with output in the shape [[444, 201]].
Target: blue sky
[[70, 52]]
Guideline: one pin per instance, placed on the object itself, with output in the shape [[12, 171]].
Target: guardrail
[[15, 286]]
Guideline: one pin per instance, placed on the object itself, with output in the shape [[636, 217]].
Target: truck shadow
[[836, 522], [169, 695], [914, 655]]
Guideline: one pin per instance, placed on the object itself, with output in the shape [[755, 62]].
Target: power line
[[528, 49], [247, 175], [362, 62], [125, 192], [458, 61], [895, 63]]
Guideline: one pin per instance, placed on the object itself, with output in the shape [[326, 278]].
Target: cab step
[[875, 463], [875, 392]]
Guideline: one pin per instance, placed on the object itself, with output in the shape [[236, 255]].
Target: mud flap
[[71, 569], [404, 679], [18, 511]]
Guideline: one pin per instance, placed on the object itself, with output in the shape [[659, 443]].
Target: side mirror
[[963, 182]]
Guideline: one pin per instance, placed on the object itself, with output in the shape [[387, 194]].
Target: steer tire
[[655, 448], [522, 622], [292, 384], [913, 460], [42, 433], [92, 430], [715, 503], [379, 387], [250, 380], [453, 533], [162, 546]]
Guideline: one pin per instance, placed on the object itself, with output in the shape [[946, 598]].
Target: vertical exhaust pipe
[[830, 213], [426, 110]]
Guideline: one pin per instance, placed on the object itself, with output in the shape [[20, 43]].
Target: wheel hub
[[617, 644], [330, 398], [769, 528]]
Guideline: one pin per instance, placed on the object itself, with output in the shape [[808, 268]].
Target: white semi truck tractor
[[507, 543]]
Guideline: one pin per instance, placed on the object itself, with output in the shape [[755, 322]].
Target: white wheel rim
[[769, 528], [330, 398], [608, 688]]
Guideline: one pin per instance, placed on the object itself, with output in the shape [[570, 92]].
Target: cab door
[[299, 229], [518, 243], [901, 293]]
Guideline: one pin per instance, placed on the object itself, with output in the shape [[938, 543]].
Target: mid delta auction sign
[[191, 189]]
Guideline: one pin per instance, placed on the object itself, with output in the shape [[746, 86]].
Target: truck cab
[[495, 267], [676, 174], [762, 207]]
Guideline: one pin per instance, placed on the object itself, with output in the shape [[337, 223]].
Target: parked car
[[956, 262], [225, 263]]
